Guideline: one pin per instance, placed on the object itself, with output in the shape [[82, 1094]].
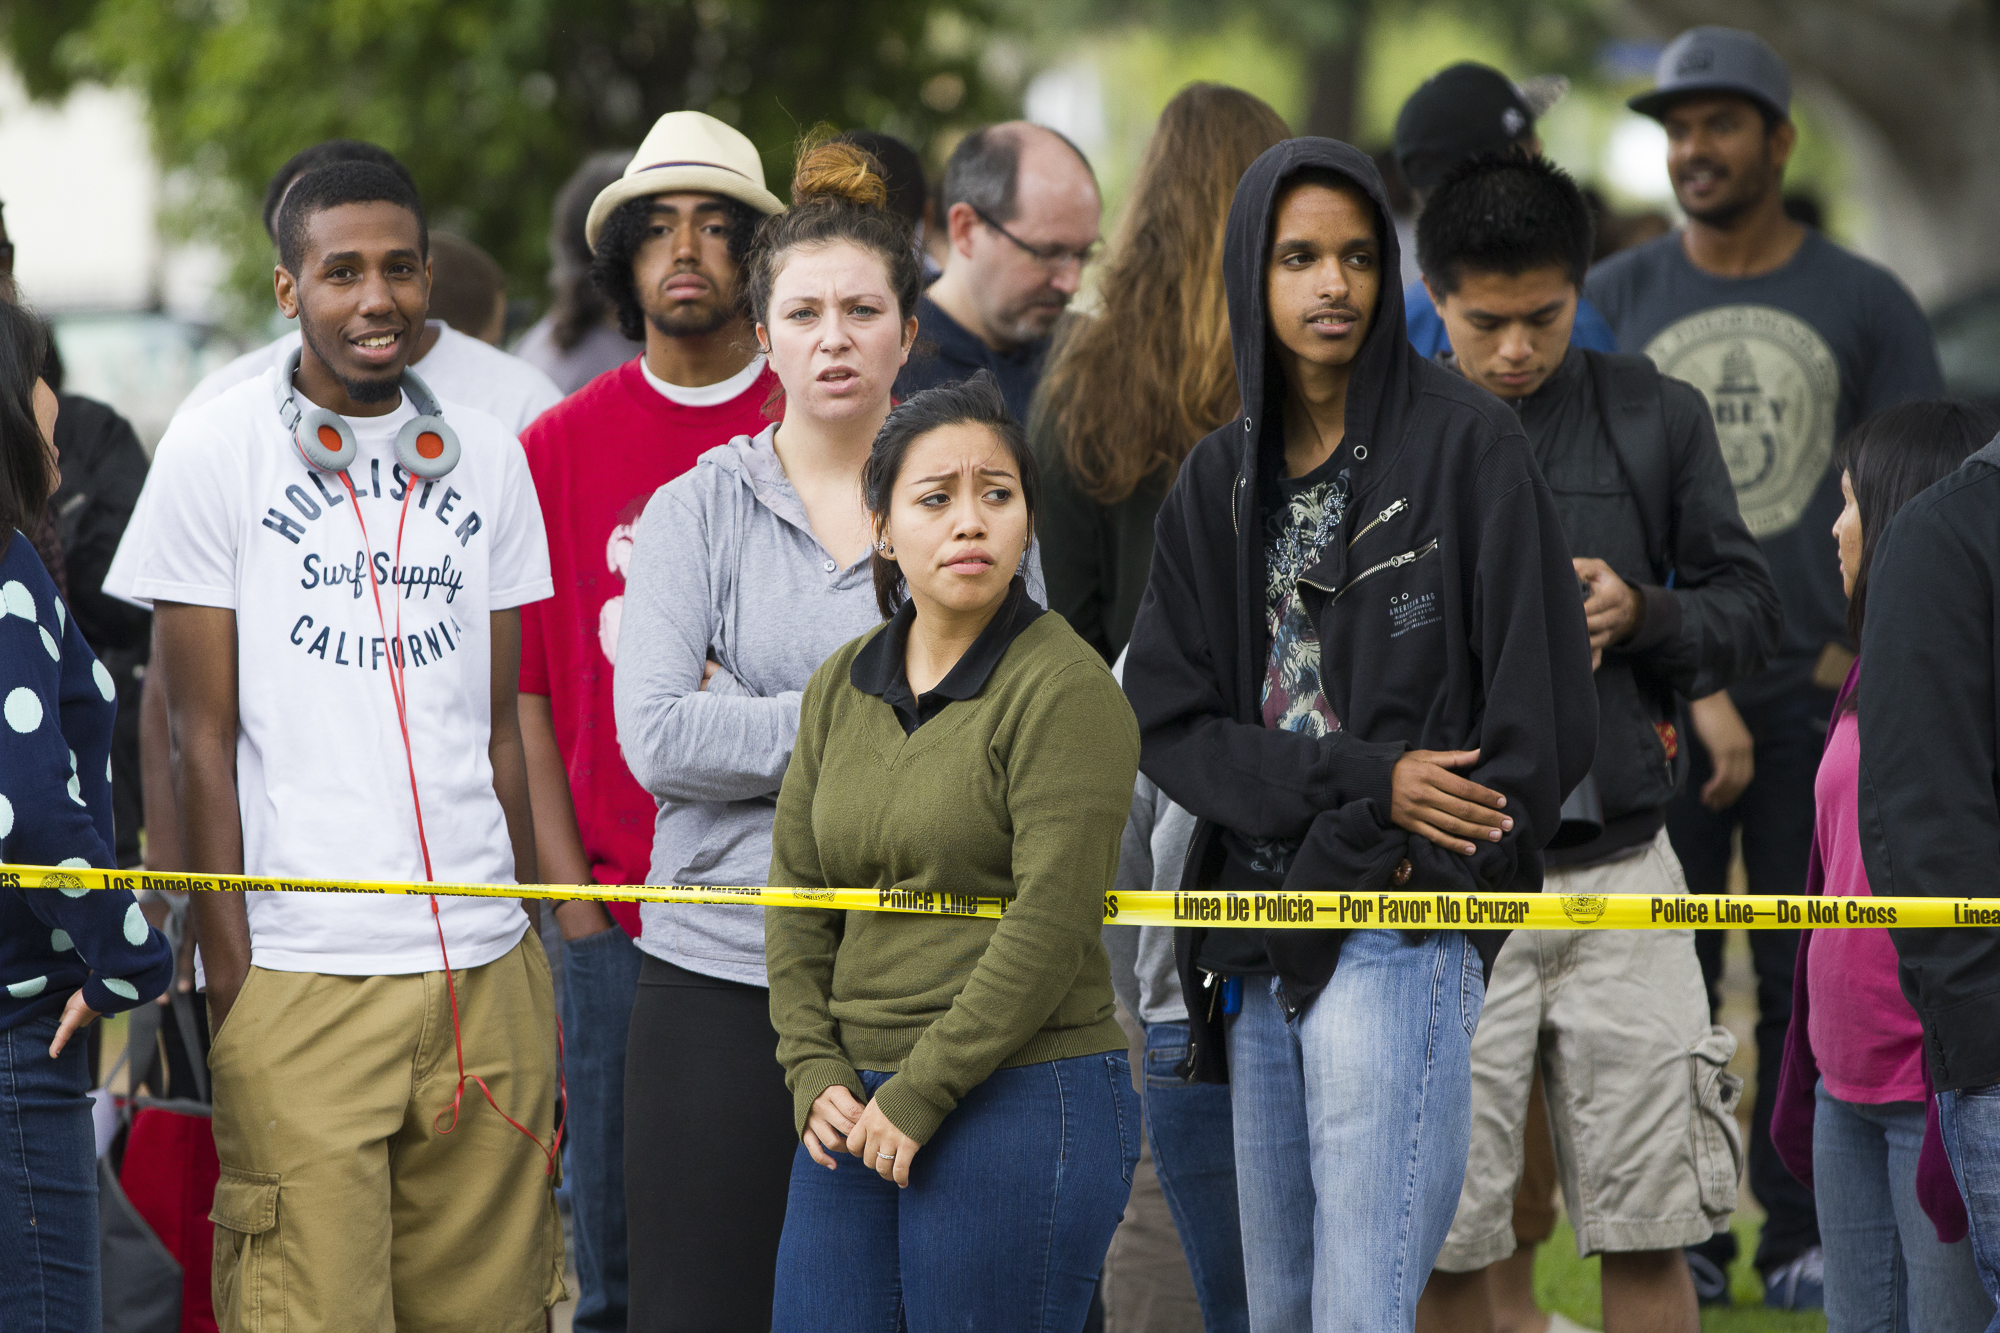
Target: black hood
[[1382, 383]]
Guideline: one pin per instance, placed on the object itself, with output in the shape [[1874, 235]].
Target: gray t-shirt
[[1789, 361]]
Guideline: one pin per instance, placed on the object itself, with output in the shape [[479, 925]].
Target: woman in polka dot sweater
[[66, 955]]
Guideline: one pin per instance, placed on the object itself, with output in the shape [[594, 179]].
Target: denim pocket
[[1472, 985], [1162, 1062], [1125, 1105]]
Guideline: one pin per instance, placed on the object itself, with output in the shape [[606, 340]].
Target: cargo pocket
[[1716, 1140], [248, 1284]]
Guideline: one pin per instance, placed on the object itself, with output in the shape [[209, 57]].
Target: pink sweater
[[1864, 1034]]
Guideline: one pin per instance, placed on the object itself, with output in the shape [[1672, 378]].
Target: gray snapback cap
[[1717, 60]]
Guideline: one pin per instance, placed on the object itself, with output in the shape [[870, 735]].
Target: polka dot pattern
[[49, 642], [60, 942], [6, 816], [27, 990], [124, 990], [14, 595], [23, 709], [136, 928], [62, 614], [100, 674]]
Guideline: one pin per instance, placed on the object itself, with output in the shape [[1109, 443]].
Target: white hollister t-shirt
[[235, 519]]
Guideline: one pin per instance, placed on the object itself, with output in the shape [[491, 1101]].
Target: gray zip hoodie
[[725, 565]]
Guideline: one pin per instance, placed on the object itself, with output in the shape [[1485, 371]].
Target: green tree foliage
[[1330, 37], [491, 103]]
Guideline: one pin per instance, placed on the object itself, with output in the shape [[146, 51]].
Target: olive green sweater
[[1022, 792]]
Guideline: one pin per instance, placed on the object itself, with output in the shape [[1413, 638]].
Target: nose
[[687, 239], [375, 295], [968, 524], [1514, 344], [834, 335], [1067, 276], [1333, 286]]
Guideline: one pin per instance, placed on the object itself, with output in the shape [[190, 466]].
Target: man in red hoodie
[[668, 240]]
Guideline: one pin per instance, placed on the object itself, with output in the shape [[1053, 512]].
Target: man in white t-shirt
[[459, 368], [363, 1184]]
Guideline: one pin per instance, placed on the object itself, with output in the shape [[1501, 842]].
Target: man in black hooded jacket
[[1362, 663]]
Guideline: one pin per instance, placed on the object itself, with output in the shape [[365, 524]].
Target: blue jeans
[[48, 1184], [1885, 1268], [1009, 1211], [1194, 1154], [1353, 1121], [1970, 1119], [600, 978]]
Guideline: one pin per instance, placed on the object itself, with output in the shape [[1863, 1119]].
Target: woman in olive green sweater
[[961, 1091]]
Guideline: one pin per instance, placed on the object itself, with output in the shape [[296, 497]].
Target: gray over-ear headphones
[[426, 447]]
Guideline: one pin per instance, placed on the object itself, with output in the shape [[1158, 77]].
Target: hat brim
[[689, 177], [1656, 103]]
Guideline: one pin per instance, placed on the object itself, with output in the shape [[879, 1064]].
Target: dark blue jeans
[[48, 1185], [600, 978], [1194, 1154], [1009, 1211], [1775, 814]]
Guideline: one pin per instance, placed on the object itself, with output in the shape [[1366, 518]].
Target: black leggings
[[708, 1153]]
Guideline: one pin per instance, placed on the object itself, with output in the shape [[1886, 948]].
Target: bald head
[[1023, 212]]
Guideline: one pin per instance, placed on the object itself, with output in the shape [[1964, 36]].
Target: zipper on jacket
[[1235, 525], [1393, 562], [1379, 519]]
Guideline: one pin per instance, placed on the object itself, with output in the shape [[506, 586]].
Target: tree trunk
[[1912, 89], [1333, 77]]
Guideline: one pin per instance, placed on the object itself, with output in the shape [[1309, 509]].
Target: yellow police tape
[[1316, 910]]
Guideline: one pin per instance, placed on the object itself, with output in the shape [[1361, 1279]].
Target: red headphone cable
[[553, 1149]]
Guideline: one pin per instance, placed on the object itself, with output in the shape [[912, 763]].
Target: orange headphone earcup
[[324, 440], [427, 447]]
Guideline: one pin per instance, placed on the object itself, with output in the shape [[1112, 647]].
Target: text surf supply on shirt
[[237, 520]]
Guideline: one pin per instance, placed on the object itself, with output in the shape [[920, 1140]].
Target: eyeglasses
[[1048, 256]]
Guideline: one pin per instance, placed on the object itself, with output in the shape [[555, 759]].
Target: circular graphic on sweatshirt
[[1772, 385]]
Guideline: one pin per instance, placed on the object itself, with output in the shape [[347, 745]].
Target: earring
[[886, 549]]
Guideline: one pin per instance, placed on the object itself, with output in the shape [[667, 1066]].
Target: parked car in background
[[1968, 341], [141, 363]]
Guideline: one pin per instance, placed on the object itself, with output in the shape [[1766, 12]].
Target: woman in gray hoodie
[[746, 574]]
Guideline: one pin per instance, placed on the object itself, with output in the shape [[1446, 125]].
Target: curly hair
[[618, 244]]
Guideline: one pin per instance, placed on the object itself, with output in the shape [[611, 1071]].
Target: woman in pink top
[[1884, 1205]]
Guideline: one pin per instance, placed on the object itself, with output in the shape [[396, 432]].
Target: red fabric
[[169, 1174], [597, 457]]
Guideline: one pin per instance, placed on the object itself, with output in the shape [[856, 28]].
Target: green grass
[[1568, 1284]]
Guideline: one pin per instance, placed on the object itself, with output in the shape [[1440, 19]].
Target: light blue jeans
[[1885, 1268], [1352, 1124], [1970, 1119]]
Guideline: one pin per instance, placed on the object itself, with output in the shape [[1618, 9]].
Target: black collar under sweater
[[880, 668]]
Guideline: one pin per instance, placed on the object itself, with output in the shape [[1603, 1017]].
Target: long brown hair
[[1132, 390]]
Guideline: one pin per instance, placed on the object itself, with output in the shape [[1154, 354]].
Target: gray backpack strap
[[1628, 397]]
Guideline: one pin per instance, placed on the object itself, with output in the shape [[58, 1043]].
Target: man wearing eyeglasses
[[1020, 204]]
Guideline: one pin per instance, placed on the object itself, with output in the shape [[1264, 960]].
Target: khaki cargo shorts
[[1641, 1105], [341, 1206]]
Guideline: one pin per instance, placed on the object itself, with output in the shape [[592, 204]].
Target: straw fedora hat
[[688, 150]]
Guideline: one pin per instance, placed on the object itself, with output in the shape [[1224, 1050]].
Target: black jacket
[[1639, 483], [1452, 623], [1930, 754]]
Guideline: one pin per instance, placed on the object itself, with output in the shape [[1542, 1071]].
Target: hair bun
[[838, 171]]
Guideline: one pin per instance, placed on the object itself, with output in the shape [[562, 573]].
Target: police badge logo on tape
[[1584, 908]]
